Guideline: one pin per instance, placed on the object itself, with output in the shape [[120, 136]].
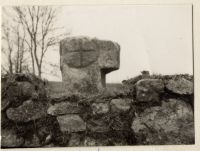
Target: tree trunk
[[32, 57], [10, 64]]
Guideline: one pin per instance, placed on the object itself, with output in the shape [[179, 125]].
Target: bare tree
[[20, 48], [8, 51], [13, 47], [39, 23]]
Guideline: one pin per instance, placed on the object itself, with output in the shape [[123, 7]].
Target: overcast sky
[[157, 38]]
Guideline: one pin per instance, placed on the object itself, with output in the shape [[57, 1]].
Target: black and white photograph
[[97, 75]]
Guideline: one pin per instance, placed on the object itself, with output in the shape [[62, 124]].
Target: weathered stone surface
[[98, 125], [105, 140], [32, 142], [171, 123], [85, 61], [75, 140], [109, 58], [21, 89], [89, 141], [100, 108], [120, 123], [4, 120], [13, 91], [71, 123], [148, 90], [48, 139], [10, 139], [27, 89], [57, 90], [180, 86], [120, 105], [64, 108], [4, 104], [29, 110]]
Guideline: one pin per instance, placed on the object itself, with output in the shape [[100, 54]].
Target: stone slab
[[71, 123]]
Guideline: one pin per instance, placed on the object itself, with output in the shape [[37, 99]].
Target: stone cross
[[84, 62]]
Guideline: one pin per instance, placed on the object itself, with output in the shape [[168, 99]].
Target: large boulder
[[171, 123], [149, 90], [84, 62], [28, 111], [71, 123], [9, 139], [180, 86]]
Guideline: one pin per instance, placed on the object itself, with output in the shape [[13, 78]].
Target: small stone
[[98, 125], [120, 123], [64, 108], [89, 141], [75, 140], [71, 123], [10, 139], [148, 90], [4, 104], [120, 105], [32, 142], [100, 108], [48, 139], [180, 86], [28, 111]]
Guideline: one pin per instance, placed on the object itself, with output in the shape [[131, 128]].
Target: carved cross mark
[[81, 58]]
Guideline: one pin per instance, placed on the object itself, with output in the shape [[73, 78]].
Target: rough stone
[[13, 91], [164, 124], [84, 62], [71, 123], [98, 125], [27, 89], [21, 89], [4, 104], [180, 86], [64, 108], [148, 90], [100, 108], [48, 139], [32, 142], [57, 90], [120, 123], [120, 105], [28, 111], [89, 141], [10, 139], [75, 140]]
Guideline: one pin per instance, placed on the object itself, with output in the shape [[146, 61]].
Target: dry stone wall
[[148, 110]]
